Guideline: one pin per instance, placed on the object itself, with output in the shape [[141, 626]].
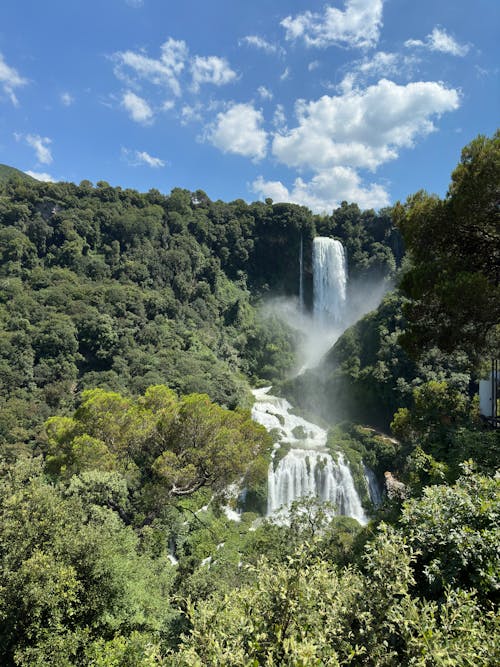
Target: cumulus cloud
[[279, 118], [168, 105], [191, 114], [325, 191], [140, 158], [66, 99], [357, 26], [41, 176], [162, 71], [265, 93], [261, 44], [275, 190], [136, 67], [9, 80], [337, 136], [239, 130], [41, 146], [137, 108], [149, 160], [383, 64], [362, 128], [439, 40], [211, 69]]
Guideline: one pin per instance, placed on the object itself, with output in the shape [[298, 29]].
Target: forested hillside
[[132, 328], [104, 287]]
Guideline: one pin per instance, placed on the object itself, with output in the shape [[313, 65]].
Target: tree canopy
[[133, 480], [454, 245]]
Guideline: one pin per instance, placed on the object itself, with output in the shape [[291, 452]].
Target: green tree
[[177, 446], [207, 446], [455, 530], [454, 245], [71, 573]]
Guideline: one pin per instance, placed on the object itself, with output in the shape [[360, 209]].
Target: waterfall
[[301, 275], [308, 469], [329, 281], [372, 486]]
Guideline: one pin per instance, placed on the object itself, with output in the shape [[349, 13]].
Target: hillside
[[7, 173], [119, 480], [107, 287]]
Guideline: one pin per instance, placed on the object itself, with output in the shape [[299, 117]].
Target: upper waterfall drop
[[329, 281]]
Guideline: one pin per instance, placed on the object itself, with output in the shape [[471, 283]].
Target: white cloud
[[238, 130], [149, 160], [135, 4], [261, 43], [265, 93], [168, 105], [279, 118], [362, 128], [137, 107], [285, 74], [313, 65], [191, 114], [273, 189], [9, 80], [325, 191], [211, 69], [135, 67], [41, 146], [379, 65], [164, 71], [386, 64], [357, 26], [440, 40], [140, 158], [41, 176], [66, 99], [336, 136]]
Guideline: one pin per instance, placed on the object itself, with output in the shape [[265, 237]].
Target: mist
[[316, 338]]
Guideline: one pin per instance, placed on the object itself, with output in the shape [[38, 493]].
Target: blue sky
[[303, 101]]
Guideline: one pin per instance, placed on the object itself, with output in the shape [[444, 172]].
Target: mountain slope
[[6, 173]]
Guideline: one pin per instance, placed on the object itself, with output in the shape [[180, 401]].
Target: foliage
[[71, 573], [108, 287], [438, 433], [136, 319], [456, 532], [8, 173], [367, 375], [455, 248], [167, 446], [304, 611], [293, 615]]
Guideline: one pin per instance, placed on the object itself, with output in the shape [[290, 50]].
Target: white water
[[329, 281], [301, 275], [308, 469], [329, 318], [372, 484]]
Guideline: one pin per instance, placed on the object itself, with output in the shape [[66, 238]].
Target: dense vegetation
[[131, 332], [104, 287]]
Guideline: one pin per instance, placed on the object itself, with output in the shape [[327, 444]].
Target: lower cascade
[[308, 469]]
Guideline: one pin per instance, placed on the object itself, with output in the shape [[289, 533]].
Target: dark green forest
[[132, 329]]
